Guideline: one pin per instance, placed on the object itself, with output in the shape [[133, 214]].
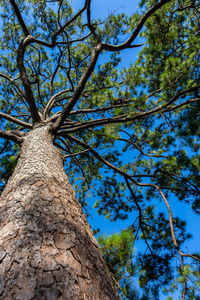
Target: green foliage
[[191, 276], [8, 162], [118, 253], [155, 267], [157, 144]]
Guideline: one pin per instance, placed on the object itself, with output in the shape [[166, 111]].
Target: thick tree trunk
[[47, 250]]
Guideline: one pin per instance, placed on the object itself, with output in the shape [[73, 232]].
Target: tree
[[61, 88], [118, 253]]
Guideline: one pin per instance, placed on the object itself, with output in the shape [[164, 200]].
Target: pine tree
[[67, 108]]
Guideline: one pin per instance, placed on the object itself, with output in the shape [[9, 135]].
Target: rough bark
[[47, 250]]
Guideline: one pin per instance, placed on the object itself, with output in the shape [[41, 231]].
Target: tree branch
[[19, 17], [90, 26], [91, 110], [25, 80], [75, 154], [51, 102], [13, 135], [139, 115], [128, 42], [12, 81], [68, 23], [130, 177], [140, 213], [14, 120], [171, 108], [55, 71], [82, 82], [141, 151]]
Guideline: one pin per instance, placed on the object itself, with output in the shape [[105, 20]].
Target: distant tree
[[118, 253], [62, 88]]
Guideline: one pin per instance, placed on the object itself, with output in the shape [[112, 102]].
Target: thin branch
[[118, 285], [125, 175], [181, 179], [86, 111], [68, 23], [185, 281], [140, 213], [14, 120], [19, 17], [98, 156], [128, 42], [75, 161], [180, 94], [91, 110], [4, 147], [164, 87], [172, 227], [51, 102], [54, 73], [191, 5], [139, 115], [74, 41], [141, 151], [12, 81], [75, 154], [38, 72], [174, 107]]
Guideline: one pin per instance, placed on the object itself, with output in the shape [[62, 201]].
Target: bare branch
[[68, 23], [25, 80], [125, 175], [90, 26], [14, 120], [75, 154], [19, 17], [139, 115], [90, 110], [12, 81], [54, 73], [141, 151], [82, 82], [13, 135], [51, 102], [128, 42]]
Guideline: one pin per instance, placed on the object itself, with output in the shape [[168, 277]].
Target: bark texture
[[47, 250]]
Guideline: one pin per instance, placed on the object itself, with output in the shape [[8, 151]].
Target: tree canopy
[[130, 136]]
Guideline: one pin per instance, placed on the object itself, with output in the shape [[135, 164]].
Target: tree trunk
[[47, 250]]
